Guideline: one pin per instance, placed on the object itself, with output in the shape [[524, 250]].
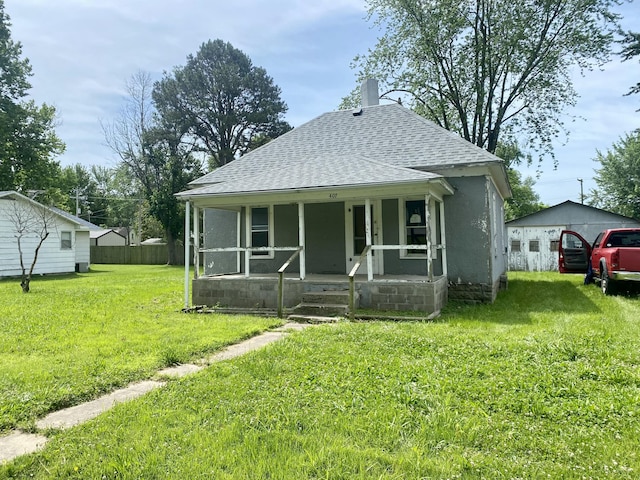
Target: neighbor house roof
[[81, 221], [82, 224], [381, 144]]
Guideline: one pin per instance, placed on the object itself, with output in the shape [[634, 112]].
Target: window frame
[[64, 240], [513, 243], [535, 242], [269, 230], [403, 227]]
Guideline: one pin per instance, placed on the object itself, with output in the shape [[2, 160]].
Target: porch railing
[[247, 251], [281, 270], [352, 282]]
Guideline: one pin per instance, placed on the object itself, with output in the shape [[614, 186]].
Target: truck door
[[574, 253]]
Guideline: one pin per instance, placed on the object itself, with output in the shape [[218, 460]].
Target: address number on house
[[333, 195]]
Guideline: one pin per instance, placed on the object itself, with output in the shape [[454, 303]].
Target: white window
[[413, 226], [262, 230], [65, 240]]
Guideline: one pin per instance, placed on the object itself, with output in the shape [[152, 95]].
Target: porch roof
[[276, 174]]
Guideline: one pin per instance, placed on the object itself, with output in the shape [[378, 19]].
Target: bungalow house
[[409, 211], [65, 250], [534, 238]]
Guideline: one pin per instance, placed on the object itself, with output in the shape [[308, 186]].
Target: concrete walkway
[[20, 443]]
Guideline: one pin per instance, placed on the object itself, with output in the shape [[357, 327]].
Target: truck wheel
[[606, 284]]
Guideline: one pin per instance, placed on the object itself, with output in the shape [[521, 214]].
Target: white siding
[[82, 247], [545, 259], [51, 257]]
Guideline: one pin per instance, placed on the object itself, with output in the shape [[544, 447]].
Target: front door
[[356, 235]]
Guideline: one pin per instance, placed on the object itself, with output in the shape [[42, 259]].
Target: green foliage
[[524, 200], [79, 336], [542, 384], [223, 101], [489, 69], [631, 49], [618, 177], [28, 141], [156, 158]]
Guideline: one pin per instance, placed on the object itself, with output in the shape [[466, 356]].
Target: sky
[[83, 51]]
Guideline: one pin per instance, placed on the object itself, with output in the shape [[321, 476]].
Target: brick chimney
[[369, 92]]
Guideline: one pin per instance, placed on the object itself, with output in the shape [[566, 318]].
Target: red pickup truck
[[613, 258]]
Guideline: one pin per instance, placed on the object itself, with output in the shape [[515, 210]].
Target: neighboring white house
[[65, 250], [533, 239], [107, 237]]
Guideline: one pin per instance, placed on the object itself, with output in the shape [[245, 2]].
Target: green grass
[[545, 383], [77, 336]]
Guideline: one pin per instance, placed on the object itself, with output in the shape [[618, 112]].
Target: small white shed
[[107, 237], [65, 250]]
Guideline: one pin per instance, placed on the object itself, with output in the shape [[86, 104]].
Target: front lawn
[[75, 337], [545, 383]]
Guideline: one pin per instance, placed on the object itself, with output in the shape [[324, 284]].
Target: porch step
[[335, 297], [311, 319], [321, 309]]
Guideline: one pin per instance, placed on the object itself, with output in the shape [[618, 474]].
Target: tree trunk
[[171, 249], [24, 283]]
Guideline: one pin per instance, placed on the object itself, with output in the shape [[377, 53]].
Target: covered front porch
[[385, 246]]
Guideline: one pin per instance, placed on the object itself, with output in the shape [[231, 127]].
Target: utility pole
[[581, 191]]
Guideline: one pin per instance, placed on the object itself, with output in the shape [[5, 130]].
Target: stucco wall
[[475, 238], [468, 231], [326, 249], [324, 235]]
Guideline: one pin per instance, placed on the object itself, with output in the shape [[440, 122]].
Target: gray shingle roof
[[340, 148], [332, 170]]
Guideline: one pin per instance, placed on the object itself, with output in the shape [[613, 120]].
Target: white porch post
[[247, 239], [196, 242], [187, 235], [301, 241], [427, 221], [443, 240], [367, 223]]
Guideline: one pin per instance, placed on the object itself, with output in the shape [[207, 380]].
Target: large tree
[[491, 70], [618, 178], [524, 199], [153, 151], [631, 49], [28, 143], [224, 102]]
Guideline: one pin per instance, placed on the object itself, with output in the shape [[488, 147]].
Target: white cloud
[[82, 51]]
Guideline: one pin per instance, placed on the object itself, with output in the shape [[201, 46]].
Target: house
[[417, 209], [533, 239], [106, 237], [65, 250]]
